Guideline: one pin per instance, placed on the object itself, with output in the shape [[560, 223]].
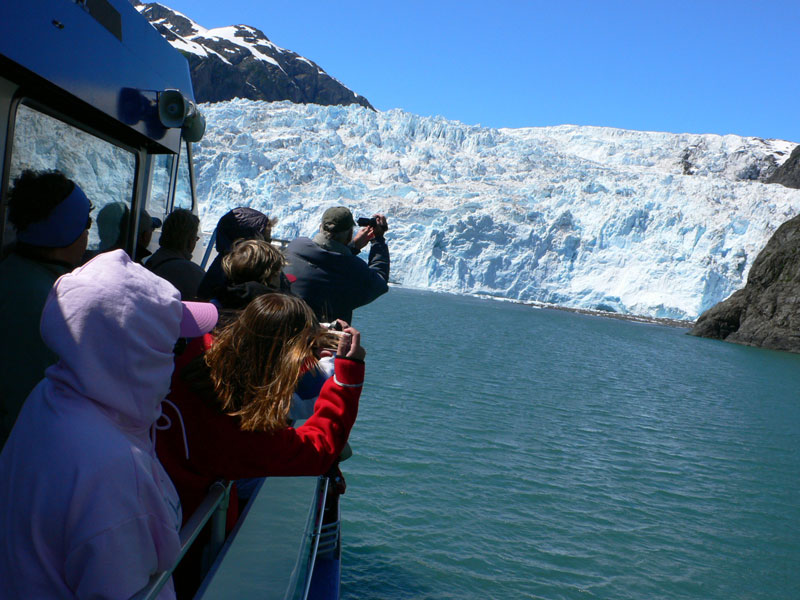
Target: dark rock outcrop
[[245, 64], [788, 173], [738, 165], [766, 312]]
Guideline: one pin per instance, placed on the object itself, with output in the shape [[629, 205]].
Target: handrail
[[207, 254], [279, 242], [323, 485], [215, 505]]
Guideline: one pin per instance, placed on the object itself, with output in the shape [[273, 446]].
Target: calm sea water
[[507, 452]]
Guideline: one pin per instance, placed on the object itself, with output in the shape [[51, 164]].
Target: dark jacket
[[231, 299], [236, 296], [178, 270], [24, 285], [334, 283]]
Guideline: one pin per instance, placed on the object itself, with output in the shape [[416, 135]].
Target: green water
[[507, 452]]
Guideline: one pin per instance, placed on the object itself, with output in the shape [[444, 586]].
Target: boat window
[[183, 187], [105, 172], [159, 190]]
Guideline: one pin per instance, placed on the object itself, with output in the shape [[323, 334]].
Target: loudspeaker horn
[[194, 126], [172, 108]]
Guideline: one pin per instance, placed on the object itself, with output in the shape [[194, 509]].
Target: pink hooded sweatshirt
[[86, 510]]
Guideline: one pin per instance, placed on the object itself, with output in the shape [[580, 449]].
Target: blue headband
[[65, 223]]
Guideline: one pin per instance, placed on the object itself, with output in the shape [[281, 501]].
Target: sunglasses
[[89, 220]]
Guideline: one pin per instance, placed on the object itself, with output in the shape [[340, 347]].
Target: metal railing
[[321, 495], [210, 239], [214, 508]]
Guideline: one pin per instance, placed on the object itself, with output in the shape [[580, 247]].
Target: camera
[[334, 327], [367, 222]]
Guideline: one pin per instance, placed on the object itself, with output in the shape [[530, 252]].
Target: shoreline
[[679, 323], [621, 317]]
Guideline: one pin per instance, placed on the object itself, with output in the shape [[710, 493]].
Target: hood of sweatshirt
[[113, 325]]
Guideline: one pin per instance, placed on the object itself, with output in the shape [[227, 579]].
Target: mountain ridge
[[239, 61], [788, 173]]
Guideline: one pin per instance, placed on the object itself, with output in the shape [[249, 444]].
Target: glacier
[[638, 223]]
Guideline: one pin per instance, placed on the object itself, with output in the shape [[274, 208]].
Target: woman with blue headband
[[51, 216]]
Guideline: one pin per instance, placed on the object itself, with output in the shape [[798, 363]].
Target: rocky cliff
[[788, 173], [241, 62], [766, 312]]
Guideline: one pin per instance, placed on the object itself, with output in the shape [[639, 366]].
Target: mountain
[[639, 223], [240, 62]]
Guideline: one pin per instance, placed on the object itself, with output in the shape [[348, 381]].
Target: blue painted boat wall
[[81, 53]]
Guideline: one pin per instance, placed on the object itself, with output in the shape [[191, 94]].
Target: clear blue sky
[[722, 66]]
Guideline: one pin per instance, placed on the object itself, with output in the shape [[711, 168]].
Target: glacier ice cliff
[[656, 224]]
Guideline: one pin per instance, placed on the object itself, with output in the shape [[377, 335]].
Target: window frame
[[143, 161]]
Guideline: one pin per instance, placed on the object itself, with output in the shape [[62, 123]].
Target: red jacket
[[219, 449]]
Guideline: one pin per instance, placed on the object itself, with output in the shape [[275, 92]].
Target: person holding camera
[[330, 276], [228, 413]]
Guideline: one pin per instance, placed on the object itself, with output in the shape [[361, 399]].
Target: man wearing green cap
[[330, 276]]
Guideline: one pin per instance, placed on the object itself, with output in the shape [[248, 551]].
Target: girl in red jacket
[[231, 395]]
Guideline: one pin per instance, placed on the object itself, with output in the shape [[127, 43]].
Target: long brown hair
[[256, 361]]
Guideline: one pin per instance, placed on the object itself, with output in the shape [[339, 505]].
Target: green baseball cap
[[337, 218]]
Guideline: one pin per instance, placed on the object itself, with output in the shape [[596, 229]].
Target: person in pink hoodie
[[86, 509]]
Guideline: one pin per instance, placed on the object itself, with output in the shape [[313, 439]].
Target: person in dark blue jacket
[[330, 276], [240, 223]]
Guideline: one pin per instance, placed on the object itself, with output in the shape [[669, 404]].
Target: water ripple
[[575, 458]]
